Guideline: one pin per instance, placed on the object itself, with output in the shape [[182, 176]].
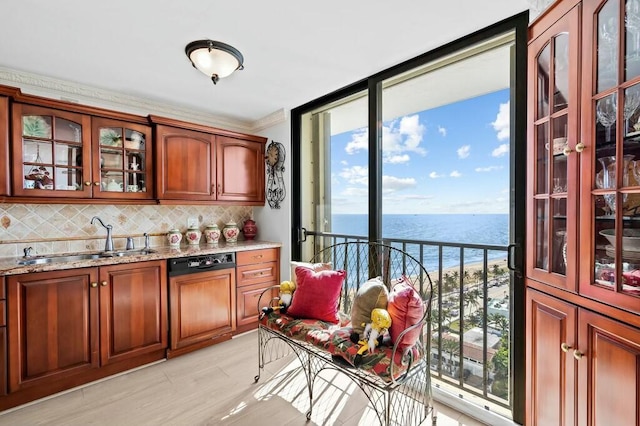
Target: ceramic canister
[[212, 234], [249, 229], [230, 232], [193, 235], [174, 237]]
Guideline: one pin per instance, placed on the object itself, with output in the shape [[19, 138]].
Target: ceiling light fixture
[[213, 58]]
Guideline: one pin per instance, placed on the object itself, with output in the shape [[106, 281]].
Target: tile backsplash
[[62, 228]]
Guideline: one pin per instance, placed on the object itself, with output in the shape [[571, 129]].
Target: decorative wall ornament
[[275, 168]]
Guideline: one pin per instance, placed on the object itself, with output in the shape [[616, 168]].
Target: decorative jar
[[193, 235], [249, 229], [174, 237], [230, 232], [212, 233]]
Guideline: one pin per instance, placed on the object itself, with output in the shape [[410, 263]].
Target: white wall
[[275, 224]]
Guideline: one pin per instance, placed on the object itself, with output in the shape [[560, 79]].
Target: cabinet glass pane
[[559, 232], [561, 72], [542, 230], [544, 65], [68, 155], [67, 179], [113, 182], [605, 251], [38, 176], [607, 48], [606, 113], [66, 130], [36, 126], [110, 160], [110, 136], [631, 114], [559, 143], [632, 39], [134, 140], [542, 158]]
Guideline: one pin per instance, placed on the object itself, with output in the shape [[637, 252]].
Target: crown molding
[[276, 117], [50, 87]]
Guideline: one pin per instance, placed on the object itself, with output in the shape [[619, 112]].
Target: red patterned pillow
[[317, 295], [406, 309]]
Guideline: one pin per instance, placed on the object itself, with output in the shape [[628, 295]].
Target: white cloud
[[344, 163], [442, 131], [488, 169], [464, 151], [359, 142], [501, 150], [356, 175], [434, 175], [455, 174], [352, 192], [501, 124], [392, 183], [397, 159]]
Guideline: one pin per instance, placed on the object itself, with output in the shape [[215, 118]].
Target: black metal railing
[[470, 319]]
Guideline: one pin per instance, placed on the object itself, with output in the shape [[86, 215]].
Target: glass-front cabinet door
[[122, 159], [50, 152], [610, 202], [552, 139]]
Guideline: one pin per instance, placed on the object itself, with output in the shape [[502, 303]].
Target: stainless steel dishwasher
[[202, 301]]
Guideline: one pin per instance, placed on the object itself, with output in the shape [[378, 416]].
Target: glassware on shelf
[[606, 178], [631, 104], [606, 113]]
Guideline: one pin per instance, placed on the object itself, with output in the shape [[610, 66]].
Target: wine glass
[[631, 104], [606, 113]]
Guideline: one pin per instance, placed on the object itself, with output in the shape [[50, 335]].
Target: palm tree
[[495, 269], [466, 276], [499, 322], [452, 347], [478, 274], [471, 298]]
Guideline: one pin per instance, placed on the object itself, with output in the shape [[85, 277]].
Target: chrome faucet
[[108, 246], [27, 251], [146, 241]]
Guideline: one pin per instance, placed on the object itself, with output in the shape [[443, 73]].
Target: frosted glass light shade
[[214, 59]]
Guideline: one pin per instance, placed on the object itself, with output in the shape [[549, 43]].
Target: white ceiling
[[295, 51]]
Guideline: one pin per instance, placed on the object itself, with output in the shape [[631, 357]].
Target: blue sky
[[450, 159]]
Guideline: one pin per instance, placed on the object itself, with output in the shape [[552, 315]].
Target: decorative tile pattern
[[61, 228]]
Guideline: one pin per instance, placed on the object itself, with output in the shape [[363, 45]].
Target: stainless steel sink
[[122, 253], [41, 260], [58, 259]]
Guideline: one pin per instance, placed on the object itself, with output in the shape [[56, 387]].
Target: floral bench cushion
[[336, 340]]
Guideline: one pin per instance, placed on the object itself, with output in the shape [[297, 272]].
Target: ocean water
[[489, 229]]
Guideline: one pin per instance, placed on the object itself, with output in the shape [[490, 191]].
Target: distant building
[[472, 352], [499, 307]]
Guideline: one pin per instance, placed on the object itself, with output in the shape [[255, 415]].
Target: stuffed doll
[[373, 331], [284, 300]]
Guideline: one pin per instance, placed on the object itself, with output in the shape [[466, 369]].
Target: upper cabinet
[[51, 152], [4, 146], [58, 153], [122, 159], [584, 150], [203, 165]]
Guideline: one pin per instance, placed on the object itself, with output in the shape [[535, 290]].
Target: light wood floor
[[213, 386]]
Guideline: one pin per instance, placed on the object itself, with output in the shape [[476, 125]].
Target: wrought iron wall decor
[[275, 167]]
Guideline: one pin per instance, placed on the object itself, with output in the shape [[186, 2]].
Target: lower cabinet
[[202, 309], [582, 367], [256, 270], [66, 325], [3, 338]]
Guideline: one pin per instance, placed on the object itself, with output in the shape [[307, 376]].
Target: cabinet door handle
[[94, 285], [577, 354], [580, 147], [103, 283], [96, 183], [565, 348], [219, 188], [259, 256], [87, 183]]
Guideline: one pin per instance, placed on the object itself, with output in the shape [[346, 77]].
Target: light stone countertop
[[10, 266]]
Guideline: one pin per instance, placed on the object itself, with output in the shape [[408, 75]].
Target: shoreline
[[471, 267]]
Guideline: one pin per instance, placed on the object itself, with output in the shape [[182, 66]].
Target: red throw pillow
[[406, 309], [317, 295]]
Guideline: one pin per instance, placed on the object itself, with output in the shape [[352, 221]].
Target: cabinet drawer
[[254, 274], [248, 297], [256, 256]]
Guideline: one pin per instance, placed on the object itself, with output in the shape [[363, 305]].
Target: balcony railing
[[470, 316]]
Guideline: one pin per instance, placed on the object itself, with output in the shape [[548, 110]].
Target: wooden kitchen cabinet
[[3, 337], [583, 184], [204, 164], [256, 271], [133, 310], [203, 309], [72, 326], [53, 326]]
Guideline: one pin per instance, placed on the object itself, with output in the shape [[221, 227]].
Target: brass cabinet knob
[[579, 147], [103, 283], [96, 183], [94, 285], [565, 348], [567, 151], [577, 354], [87, 183]]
